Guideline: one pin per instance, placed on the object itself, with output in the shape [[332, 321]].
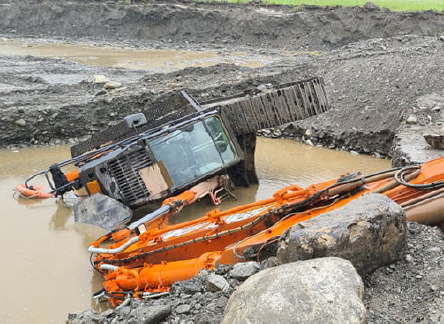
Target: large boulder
[[369, 231], [102, 211], [312, 291]]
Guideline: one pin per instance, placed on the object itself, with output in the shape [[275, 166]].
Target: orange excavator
[[210, 145], [149, 255]]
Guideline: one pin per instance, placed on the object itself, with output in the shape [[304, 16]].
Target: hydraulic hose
[[108, 267], [93, 249], [151, 216]]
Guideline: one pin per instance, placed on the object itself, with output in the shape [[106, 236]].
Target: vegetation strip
[[406, 5]]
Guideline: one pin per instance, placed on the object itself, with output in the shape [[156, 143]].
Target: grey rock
[[112, 85], [408, 258], [277, 133], [100, 92], [107, 313], [151, 314], [183, 309], [20, 122], [102, 211], [99, 79], [430, 101], [263, 87], [243, 270], [268, 263], [435, 140], [88, 316], [192, 287], [369, 231], [370, 6], [412, 120], [216, 283], [123, 311], [313, 291]]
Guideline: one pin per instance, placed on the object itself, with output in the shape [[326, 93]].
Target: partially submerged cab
[[164, 161]]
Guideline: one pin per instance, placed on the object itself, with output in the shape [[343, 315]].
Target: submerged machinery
[[164, 151]]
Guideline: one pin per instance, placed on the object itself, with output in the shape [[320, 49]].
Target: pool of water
[[46, 272]]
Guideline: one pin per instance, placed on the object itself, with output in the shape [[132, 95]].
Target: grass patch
[[398, 5]]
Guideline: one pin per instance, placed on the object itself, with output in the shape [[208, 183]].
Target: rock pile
[[201, 299]]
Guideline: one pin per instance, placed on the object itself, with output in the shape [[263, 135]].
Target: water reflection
[[146, 59]]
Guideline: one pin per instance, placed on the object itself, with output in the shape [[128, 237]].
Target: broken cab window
[[194, 150]]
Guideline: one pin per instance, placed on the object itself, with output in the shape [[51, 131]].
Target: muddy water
[[147, 59], [45, 269]]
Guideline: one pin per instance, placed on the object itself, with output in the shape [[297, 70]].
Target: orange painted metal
[[157, 277], [37, 192], [230, 233], [93, 187]]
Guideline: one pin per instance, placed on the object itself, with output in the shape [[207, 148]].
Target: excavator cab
[[164, 161]]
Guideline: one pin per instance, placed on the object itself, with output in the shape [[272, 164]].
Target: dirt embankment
[[212, 25]]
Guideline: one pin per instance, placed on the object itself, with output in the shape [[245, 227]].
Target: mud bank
[[216, 25], [372, 86]]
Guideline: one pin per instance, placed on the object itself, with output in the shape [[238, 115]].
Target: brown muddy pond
[[140, 59], [46, 272]]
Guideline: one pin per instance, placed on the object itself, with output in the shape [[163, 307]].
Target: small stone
[[277, 133], [107, 313], [268, 263], [370, 6], [216, 282], [20, 122], [112, 85], [243, 270], [412, 119], [183, 309], [308, 132], [151, 314], [100, 92], [263, 87], [124, 311], [89, 316], [99, 79]]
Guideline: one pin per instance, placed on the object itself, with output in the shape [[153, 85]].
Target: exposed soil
[[378, 67]]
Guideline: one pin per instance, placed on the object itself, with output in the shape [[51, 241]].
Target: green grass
[[399, 5]]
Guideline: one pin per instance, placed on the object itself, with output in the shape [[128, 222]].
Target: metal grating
[[125, 170], [290, 102]]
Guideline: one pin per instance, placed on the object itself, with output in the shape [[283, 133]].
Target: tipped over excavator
[[180, 147], [199, 150]]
